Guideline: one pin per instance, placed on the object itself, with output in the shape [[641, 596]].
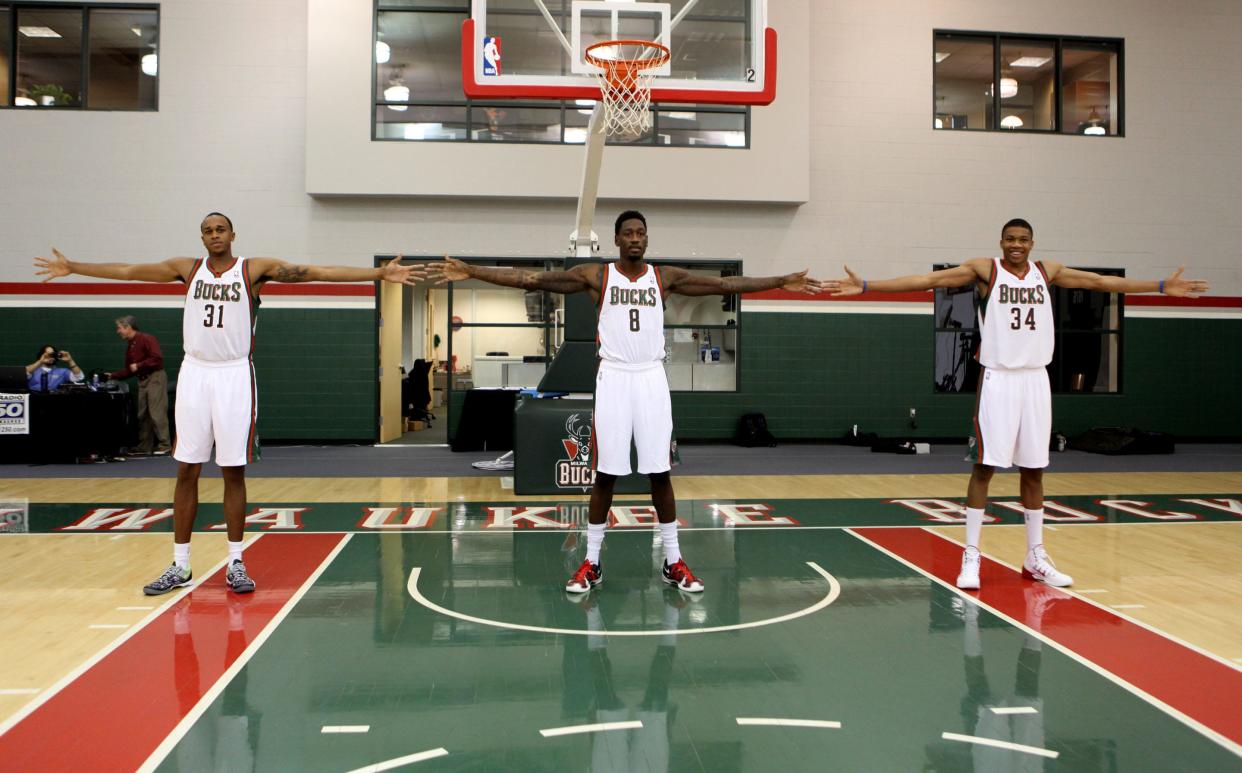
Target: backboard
[[723, 52]]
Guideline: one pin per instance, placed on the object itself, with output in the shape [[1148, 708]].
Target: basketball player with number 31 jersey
[[217, 399], [1013, 414], [632, 401]]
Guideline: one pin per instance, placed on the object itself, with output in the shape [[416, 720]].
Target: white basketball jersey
[[219, 320], [1016, 319], [631, 317]]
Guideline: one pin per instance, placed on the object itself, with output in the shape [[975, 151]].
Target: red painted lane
[[170, 288], [1194, 684], [116, 713]]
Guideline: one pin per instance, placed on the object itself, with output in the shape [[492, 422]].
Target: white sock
[[1034, 527], [235, 551], [595, 540], [668, 535], [974, 526], [181, 554]]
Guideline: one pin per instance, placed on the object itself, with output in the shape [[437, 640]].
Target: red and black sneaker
[[680, 576], [588, 576]]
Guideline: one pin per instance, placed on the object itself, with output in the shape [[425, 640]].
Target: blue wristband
[[1162, 287]]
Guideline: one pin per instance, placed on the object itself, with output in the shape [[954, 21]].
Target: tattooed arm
[[274, 270], [575, 280]]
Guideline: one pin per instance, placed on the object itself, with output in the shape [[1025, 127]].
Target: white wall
[[885, 191]]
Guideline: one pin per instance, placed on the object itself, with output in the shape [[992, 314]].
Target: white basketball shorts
[[217, 404], [1013, 418], [632, 403]]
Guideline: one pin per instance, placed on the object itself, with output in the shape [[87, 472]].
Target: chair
[[416, 393]]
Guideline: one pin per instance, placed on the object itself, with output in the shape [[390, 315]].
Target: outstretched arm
[[171, 270], [575, 280], [975, 270], [683, 282], [1063, 276], [276, 270]]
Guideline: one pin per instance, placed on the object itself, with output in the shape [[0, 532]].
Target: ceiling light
[[681, 116], [24, 102], [1095, 124], [939, 124], [1030, 61], [1096, 131], [575, 135], [397, 93], [383, 52], [136, 30], [1008, 88], [38, 32], [150, 64], [1011, 122], [942, 55]]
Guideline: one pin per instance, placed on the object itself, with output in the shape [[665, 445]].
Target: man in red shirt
[[144, 359]]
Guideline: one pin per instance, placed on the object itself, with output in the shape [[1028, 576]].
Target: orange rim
[[620, 71]]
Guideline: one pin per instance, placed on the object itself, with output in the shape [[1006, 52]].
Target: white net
[[625, 77]]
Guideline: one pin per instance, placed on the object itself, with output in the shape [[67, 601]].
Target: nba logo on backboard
[[491, 55]]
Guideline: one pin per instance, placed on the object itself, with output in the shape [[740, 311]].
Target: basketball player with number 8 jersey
[[632, 402], [1013, 412], [217, 398]]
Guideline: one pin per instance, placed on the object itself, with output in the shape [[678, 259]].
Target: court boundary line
[[1114, 610], [90, 662], [834, 591], [1190, 722], [209, 696], [618, 530], [397, 762]]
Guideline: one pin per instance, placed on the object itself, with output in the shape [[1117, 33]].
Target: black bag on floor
[[752, 431], [1118, 441]]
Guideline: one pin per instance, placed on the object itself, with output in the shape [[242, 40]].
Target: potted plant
[[49, 94]]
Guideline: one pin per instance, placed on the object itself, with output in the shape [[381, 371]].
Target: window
[[1087, 358], [418, 91], [75, 56], [1027, 83]]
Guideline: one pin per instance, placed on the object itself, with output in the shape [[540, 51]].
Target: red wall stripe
[[1208, 301], [153, 288]]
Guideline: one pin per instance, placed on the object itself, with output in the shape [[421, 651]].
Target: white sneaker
[[1038, 566], [968, 578]]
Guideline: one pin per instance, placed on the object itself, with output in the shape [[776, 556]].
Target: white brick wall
[[885, 191]]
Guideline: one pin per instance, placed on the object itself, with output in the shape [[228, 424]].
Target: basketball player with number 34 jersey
[[217, 399], [631, 392], [1013, 414]]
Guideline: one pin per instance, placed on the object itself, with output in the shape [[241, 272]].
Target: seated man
[[44, 376]]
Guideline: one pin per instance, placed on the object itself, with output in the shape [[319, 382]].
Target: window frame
[[85, 9], [462, 7], [1057, 42]]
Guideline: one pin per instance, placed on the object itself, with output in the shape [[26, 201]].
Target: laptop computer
[[13, 379]]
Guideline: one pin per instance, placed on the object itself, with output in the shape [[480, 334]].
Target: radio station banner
[[14, 414]]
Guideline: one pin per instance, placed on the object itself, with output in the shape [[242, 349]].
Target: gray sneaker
[[173, 577], [237, 579]]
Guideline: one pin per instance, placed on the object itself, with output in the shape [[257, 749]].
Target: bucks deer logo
[[575, 471]]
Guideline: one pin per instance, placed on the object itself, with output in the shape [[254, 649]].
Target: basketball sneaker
[[968, 577], [173, 577], [1038, 566], [680, 576], [588, 576], [237, 579]]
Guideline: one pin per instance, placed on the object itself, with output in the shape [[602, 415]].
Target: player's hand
[[851, 285], [52, 267], [64, 356], [1184, 288], [396, 273], [450, 270], [800, 283]]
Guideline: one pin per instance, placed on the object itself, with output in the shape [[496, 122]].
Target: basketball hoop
[[626, 72]]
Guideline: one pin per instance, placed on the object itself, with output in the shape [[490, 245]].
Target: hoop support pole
[[583, 241]]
